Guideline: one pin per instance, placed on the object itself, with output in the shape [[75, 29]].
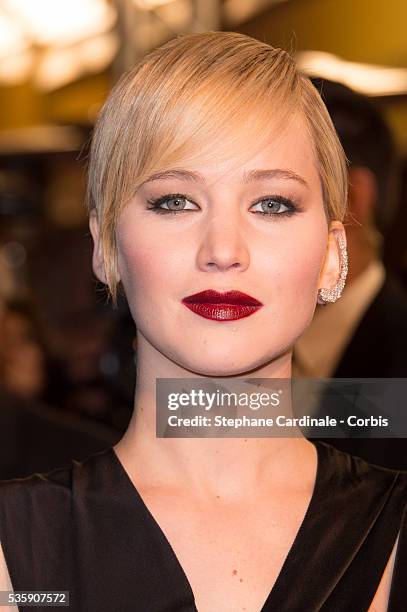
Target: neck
[[207, 466]]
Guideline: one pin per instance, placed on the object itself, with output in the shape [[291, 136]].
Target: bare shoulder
[[381, 598], [5, 582]]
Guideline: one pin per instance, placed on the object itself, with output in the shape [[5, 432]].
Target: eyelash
[[155, 205]]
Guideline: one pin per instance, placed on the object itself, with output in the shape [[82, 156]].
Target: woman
[[214, 166]]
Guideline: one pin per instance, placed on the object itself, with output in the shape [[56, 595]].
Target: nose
[[223, 245]]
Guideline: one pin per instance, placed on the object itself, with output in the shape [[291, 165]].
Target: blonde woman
[[214, 170]]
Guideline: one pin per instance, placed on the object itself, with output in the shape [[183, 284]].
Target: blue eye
[[272, 206], [176, 204]]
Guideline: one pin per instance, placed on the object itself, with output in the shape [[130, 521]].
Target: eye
[[272, 206], [170, 203], [276, 205]]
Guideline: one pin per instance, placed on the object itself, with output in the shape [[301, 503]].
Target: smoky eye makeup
[[176, 200], [269, 206]]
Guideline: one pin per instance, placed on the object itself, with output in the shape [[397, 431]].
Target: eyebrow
[[249, 177], [258, 175]]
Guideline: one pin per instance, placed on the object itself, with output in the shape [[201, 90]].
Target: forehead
[[289, 149], [287, 152]]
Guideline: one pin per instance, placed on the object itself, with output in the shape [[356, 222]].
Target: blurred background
[[67, 358]]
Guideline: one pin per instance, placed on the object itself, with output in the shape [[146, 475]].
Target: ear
[[97, 259], [331, 267]]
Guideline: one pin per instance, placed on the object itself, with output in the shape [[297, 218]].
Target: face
[[256, 226]]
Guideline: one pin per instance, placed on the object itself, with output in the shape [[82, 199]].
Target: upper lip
[[211, 296]]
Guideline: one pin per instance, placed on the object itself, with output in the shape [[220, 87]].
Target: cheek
[[148, 264], [306, 270], [140, 269], [296, 272]]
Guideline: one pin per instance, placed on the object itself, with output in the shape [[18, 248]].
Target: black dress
[[86, 529]]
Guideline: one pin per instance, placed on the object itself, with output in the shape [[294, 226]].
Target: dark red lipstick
[[217, 306]]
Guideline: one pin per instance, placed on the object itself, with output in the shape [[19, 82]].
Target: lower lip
[[222, 312]]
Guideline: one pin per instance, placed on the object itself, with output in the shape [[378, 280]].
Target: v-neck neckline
[[288, 566]]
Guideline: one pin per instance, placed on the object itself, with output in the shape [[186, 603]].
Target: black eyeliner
[[293, 208], [155, 203]]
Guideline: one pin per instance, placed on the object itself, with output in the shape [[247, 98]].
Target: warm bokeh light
[[147, 5], [55, 43], [12, 39], [236, 11], [16, 68], [64, 22], [364, 78], [61, 66]]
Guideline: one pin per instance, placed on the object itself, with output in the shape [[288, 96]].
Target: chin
[[217, 367]]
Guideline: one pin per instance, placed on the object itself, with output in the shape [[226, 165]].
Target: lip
[[227, 306]]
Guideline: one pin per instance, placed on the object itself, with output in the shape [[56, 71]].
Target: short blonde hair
[[192, 99]]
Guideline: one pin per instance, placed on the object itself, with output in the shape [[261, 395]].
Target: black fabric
[[378, 350], [378, 346], [35, 437], [86, 529]]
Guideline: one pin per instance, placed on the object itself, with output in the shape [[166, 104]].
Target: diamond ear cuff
[[331, 295]]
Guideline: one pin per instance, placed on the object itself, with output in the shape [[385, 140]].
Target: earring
[[331, 295]]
